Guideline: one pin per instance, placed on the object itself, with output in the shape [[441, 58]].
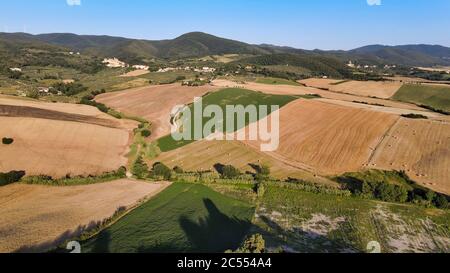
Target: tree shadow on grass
[[217, 232], [101, 243]]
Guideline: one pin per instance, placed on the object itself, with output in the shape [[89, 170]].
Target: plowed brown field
[[135, 73], [57, 139], [154, 103]]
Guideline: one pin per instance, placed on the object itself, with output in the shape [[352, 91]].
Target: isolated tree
[[161, 170], [140, 168], [7, 140], [146, 133]]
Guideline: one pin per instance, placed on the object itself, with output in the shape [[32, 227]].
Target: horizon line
[[261, 44]]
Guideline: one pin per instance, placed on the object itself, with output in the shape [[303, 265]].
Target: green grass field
[[231, 96], [108, 79], [308, 222], [437, 97], [290, 69], [276, 81], [183, 218], [169, 77]]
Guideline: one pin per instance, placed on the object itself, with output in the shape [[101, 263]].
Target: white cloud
[[73, 2], [374, 2]]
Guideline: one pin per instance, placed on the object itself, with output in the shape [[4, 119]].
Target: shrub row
[[77, 180], [405, 191]]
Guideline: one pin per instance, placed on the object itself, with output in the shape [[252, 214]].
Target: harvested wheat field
[[60, 107], [330, 139], [36, 218], [379, 89], [404, 79], [319, 83], [421, 148], [51, 141], [154, 103], [135, 73], [58, 148], [302, 90], [19, 107], [389, 110], [203, 155]]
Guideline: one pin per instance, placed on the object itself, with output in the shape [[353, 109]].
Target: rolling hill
[[411, 55], [198, 44], [195, 44], [316, 63]]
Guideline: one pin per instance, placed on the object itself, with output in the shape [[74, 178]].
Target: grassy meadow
[[276, 81], [437, 97], [183, 218], [230, 96], [308, 222]]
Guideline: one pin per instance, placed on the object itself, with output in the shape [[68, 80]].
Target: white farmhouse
[[141, 67], [43, 90], [114, 63]]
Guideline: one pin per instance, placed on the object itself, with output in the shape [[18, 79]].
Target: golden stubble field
[[135, 73], [332, 96], [203, 155], [379, 89], [154, 103], [419, 147], [328, 138], [35, 218], [61, 139]]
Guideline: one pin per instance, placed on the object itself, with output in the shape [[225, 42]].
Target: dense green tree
[[161, 170], [140, 168], [69, 89], [230, 172], [146, 133], [441, 201]]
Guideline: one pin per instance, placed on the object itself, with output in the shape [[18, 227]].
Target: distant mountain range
[[198, 44]]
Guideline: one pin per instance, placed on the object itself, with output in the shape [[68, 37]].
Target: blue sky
[[309, 24]]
